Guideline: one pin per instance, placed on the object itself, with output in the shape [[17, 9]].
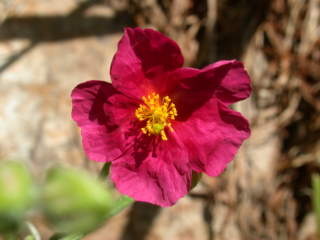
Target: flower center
[[157, 113]]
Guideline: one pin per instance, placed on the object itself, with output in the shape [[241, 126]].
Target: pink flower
[[158, 121]]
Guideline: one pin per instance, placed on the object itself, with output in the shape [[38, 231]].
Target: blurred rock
[[36, 78]]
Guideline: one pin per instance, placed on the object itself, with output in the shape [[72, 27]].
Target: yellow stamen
[[157, 113]]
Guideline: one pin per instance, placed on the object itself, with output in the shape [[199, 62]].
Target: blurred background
[[47, 47]]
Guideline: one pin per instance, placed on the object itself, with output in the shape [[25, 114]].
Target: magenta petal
[[102, 113], [88, 99], [160, 176], [235, 86], [99, 144], [217, 133], [142, 59], [226, 80]]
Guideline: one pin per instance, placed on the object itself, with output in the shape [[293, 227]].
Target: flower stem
[[122, 202], [105, 171], [119, 205]]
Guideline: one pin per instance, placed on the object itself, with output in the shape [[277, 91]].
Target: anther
[[157, 115]]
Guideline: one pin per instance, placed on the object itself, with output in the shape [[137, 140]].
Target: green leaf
[[17, 197], [74, 201], [75, 236], [34, 233], [316, 199], [196, 177], [29, 237]]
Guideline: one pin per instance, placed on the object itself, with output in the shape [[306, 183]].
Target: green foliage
[[29, 237], [75, 236], [74, 201], [316, 199], [16, 195]]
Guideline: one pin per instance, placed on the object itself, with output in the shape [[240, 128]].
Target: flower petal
[[235, 86], [103, 115], [155, 173], [142, 59], [226, 80], [217, 133]]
